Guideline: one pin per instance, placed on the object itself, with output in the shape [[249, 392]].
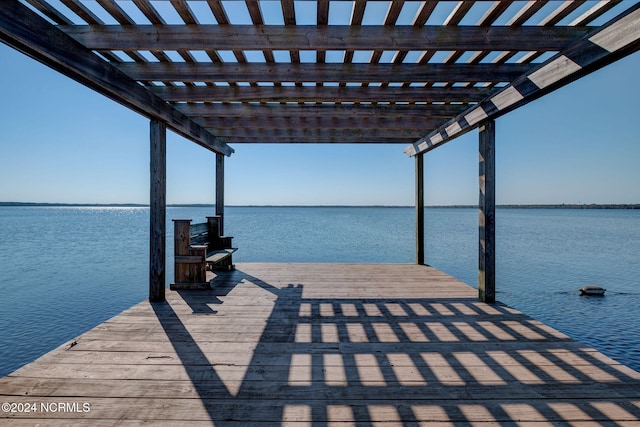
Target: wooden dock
[[323, 344]]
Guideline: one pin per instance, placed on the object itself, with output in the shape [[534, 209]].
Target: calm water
[[66, 270]]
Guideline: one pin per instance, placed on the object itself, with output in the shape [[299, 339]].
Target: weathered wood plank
[[334, 37], [487, 213], [575, 356], [419, 198], [219, 197], [319, 94], [413, 387], [595, 12], [157, 209], [313, 132], [219, 254], [363, 139], [281, 72], [337, 111], [399, 124]]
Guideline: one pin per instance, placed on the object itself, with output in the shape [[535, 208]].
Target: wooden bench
[[199, 248]]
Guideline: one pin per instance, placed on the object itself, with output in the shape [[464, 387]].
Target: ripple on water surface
[[92, 263]]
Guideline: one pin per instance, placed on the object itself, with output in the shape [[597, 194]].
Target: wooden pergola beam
[[27, 32], [333, 37], [319, 94], [409, 123], [319, 133], [615, 40], [295, 110], [363, 139], [306, 72]]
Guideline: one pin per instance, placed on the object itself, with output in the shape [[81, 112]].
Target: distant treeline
[[98, 205], [556, 206], [197, 205], [83, 205], [572, 206]]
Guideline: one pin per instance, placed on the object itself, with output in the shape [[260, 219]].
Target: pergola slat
[[44, 8], [395, 7], [358, 12], [323, 12], [459, 12], [288, 12], [595, 12], [83, 12], [218, 12], [184, 11], [425, 12], [116, 12], [562, 12], [527, 11], [149, 12], [494, 12]]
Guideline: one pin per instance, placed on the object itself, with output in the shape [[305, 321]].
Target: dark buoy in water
[[592, 290]]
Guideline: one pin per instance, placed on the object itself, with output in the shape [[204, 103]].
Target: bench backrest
[[198, 234]]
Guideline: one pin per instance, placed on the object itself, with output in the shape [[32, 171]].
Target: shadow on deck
[[408, 361], [327, 344]]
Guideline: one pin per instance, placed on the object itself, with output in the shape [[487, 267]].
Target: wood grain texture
[[334, 37], [299, 123], [220, 193], [250, 111], [487, 212], [317, 94], [304, 344], [419, 197], [157, 209], [285, 72]]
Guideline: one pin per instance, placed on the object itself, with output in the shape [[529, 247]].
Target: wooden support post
[[420, 209], [220, 190], [487, 213], [158, 210]]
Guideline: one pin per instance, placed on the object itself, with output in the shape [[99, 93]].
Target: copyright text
[[46, 407]]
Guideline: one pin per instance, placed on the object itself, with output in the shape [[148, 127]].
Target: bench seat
[[219, 255]]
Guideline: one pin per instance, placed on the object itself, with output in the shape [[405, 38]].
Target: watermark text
[[46, 407]]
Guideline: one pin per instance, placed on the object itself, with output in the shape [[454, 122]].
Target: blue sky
[[61, 142]]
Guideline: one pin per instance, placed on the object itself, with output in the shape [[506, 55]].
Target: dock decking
[[324, 344]]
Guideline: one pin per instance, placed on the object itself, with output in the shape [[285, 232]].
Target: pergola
[[323, 71]]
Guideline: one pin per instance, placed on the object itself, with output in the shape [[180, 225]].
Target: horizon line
[[463, 206]]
